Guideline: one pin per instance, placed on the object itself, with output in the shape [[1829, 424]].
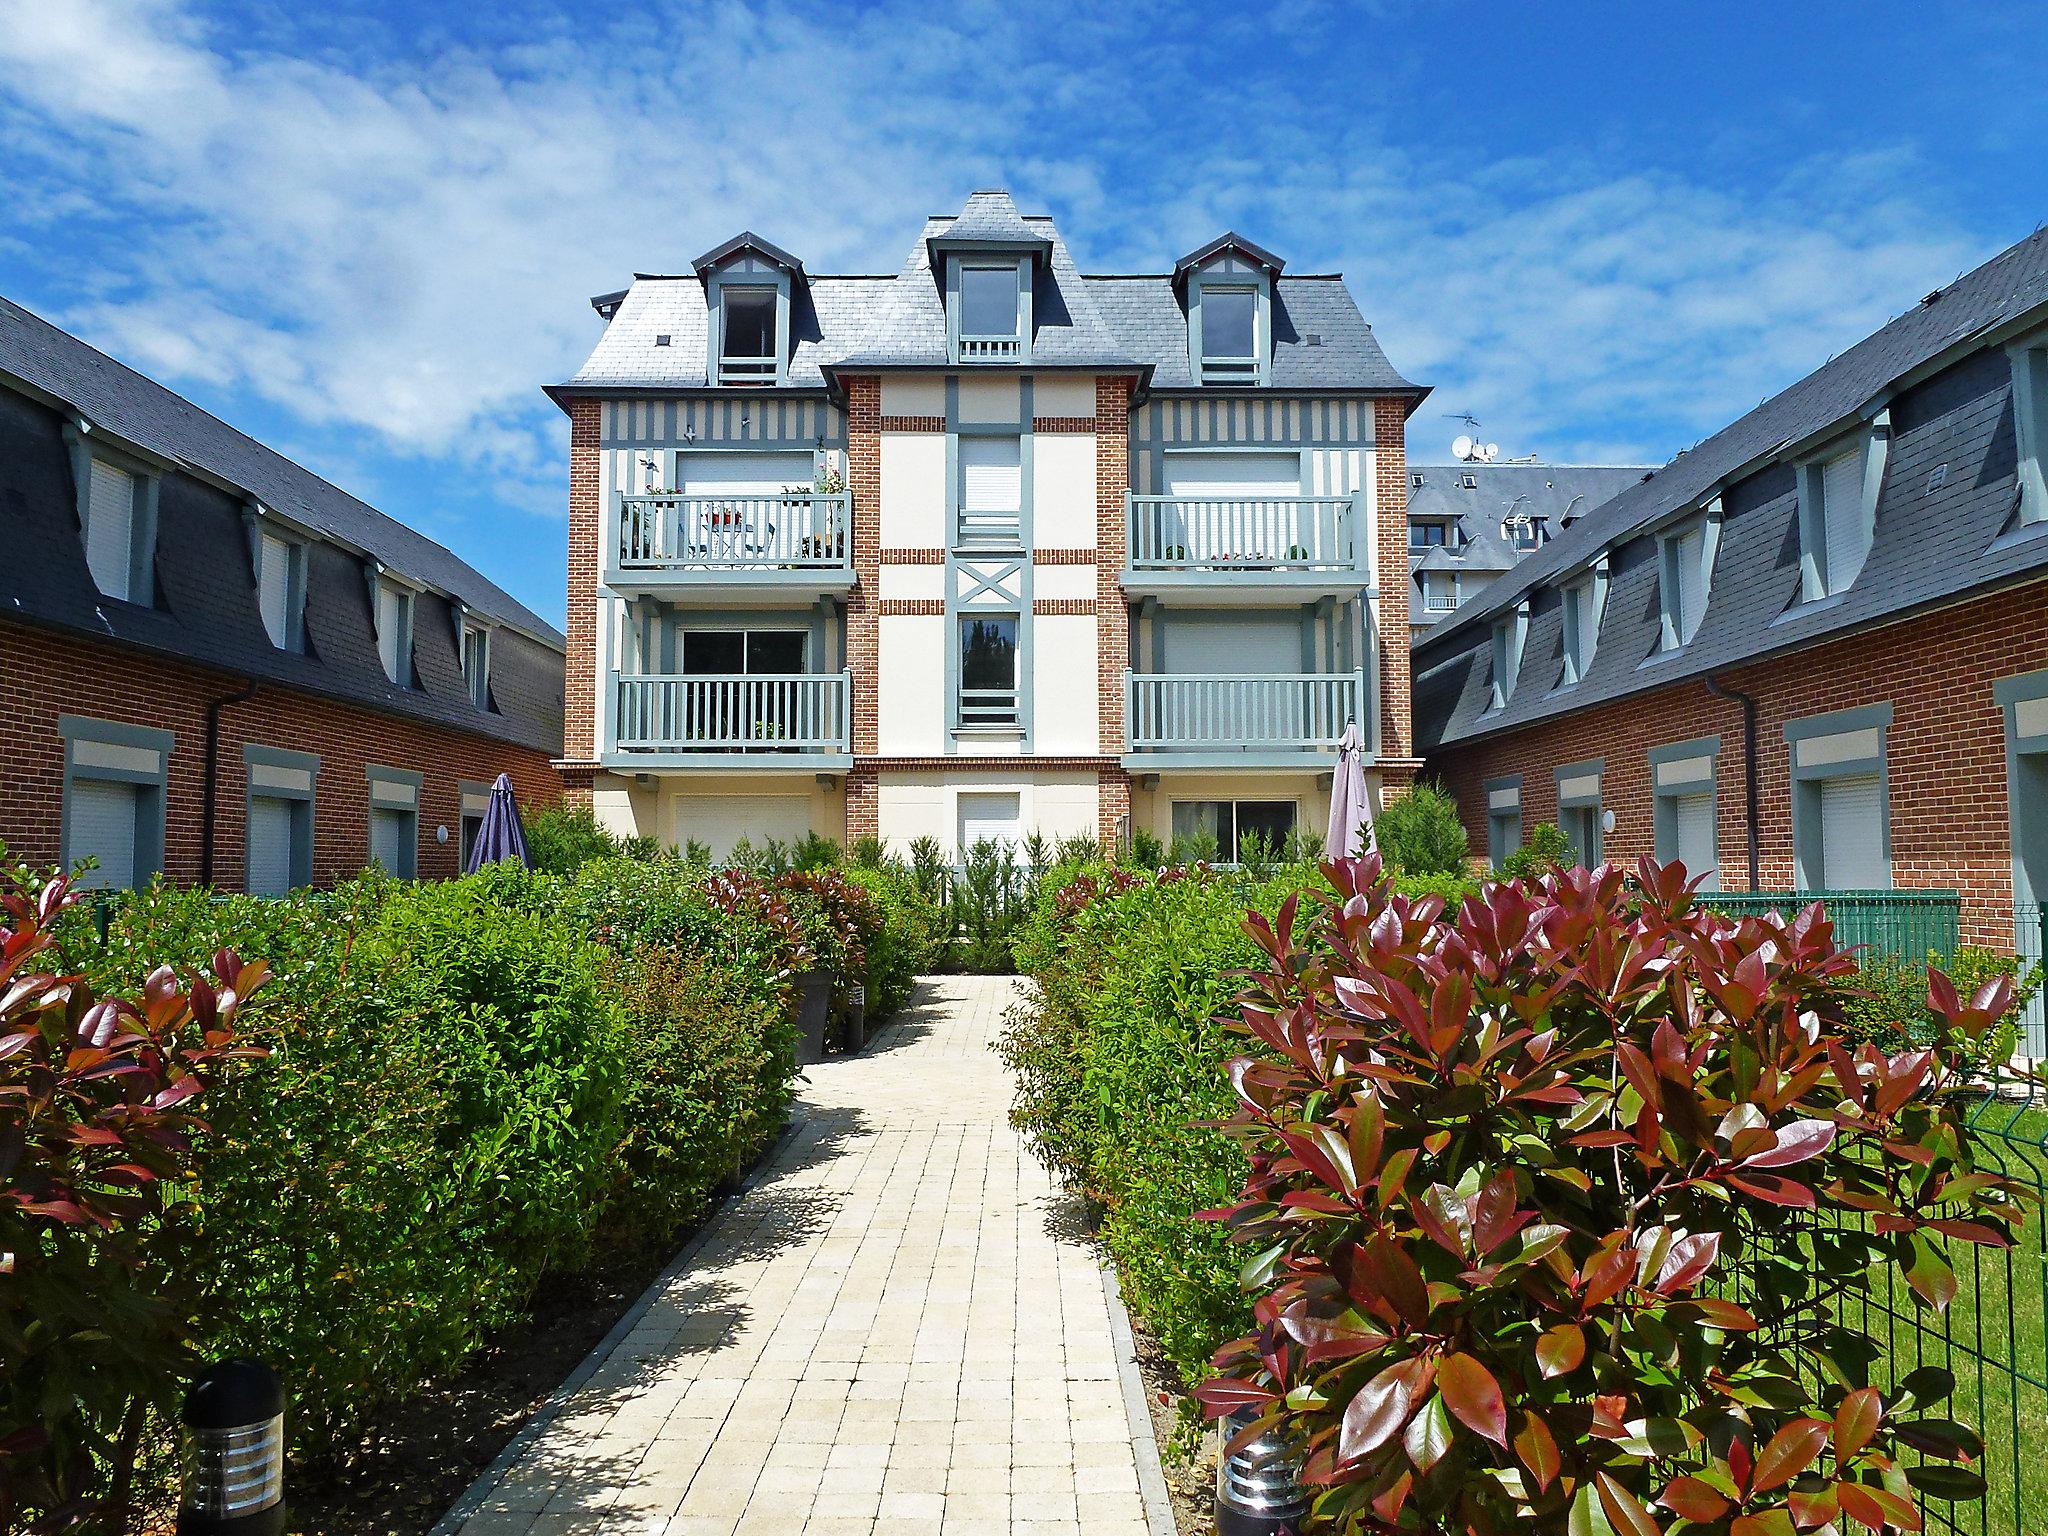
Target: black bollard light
[[234, 1452], [1257, 1490]]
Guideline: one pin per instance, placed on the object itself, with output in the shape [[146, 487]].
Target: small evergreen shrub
[[1420, 833], [1545, 849]]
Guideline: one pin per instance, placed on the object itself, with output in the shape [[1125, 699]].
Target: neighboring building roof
[[1557, 493], [1136, 323], [1949, 496], [118, 400]]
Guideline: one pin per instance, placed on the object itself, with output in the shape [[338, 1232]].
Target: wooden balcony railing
[[787, 713], [1200, 712], [1244, 533], [794, 531]]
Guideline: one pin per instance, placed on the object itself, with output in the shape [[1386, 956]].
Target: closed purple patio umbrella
[[1350, 810], [501, 836]]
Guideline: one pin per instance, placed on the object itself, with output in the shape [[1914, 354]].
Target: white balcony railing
[[787, 713], [990, 349], [794, 531], [1244, 533], [1184, 712]]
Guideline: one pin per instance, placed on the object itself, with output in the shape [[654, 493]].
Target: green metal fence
[[1909, 924]]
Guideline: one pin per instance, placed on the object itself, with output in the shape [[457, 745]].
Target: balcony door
[[746, 691], [1233, 508]]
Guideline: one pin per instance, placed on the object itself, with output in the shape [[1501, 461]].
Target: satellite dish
[[1492, 452], [1461, 447]]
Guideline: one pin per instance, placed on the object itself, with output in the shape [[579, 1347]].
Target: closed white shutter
[[1692, 583], [1693, 817], [391, 630], [391, 841], [745, 474], [1852, 834], [1848, 537], [273, 587], [719, 821], [110, 528], [270, 846], [1245, 644], [991, 474], [104, 820], [1233, 474], [990, 818]]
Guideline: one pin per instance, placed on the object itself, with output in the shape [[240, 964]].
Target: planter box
[[813, 1010]]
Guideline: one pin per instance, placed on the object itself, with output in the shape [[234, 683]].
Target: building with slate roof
[[983, 547], [1812, 651], [224, 669], [1472, 521]]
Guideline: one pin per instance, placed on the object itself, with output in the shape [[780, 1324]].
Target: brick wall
[[1397, 736], [1945, 751], [44, 675], [586, 520], [863, 608], [1112, 616]]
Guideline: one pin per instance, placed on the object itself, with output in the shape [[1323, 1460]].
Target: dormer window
[[1685, 576], [1228, 285], [2030, 422], [1585, 599], [116, 500], [1838, 493], [279, 562], [1509, 635], [476, 664], [988, 308], [988, 302], [750, 287], [748, 350], [1230, 334], [394, 630]]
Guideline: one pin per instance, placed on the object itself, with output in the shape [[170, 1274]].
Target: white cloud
[[402, 247]]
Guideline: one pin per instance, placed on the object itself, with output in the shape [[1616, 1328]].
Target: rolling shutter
[[391, 631], [270, 846], [1243, 645], [391, 841], [745, 474], [1233, 474], [1848, 537], [104, 820], [719, 821], [1852, 834], [273, 588], [110, 528], [1693, 819], [991, 474], [990, 818], [1692, 583]]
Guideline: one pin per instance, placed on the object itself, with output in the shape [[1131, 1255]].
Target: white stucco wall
[[718, 809], [912, 583], [990, 398], [1063, 583], [913, 394], [913, 512], [1063, 696], [1063, 490], [911, 686], [926, 804], [1063, 394]]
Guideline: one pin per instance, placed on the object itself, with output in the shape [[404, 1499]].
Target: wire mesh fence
[[1908, 924]]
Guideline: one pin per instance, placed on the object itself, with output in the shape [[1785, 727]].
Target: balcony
[[796, 542], [1252, 548], [1216, 720], [795, 721]]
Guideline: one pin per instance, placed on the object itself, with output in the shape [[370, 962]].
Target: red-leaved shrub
[[1558, 1212]]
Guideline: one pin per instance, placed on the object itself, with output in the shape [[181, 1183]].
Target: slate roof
[[1943, 524], [119, 400], [897, 321]]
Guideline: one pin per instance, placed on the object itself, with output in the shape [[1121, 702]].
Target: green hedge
[[1118, 1060], [473, 1085]]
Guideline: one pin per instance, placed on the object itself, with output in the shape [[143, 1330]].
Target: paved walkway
[[893, 1331]]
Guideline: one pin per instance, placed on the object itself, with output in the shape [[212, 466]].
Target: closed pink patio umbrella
[[1350, 831]]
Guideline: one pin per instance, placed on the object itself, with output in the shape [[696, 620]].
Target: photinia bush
[[1558, 1212]]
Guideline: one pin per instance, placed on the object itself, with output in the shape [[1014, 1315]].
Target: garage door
[[744, 474], [720, 821], [1852, 834], [1693, 817], [103, 824]]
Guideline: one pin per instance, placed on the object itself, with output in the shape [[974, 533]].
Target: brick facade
[[1112, 617], [1945, 751], [586, 520], [47, 675], [864, 427], [1390, 489]]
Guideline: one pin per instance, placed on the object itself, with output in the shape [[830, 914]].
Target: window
[[116, 518], [1841, 824], [991, 488], [279, 842], [996, 819], [1838, 512], [395, 821], [2030, 420], [281, 589], [748, 335], [1442, 591], [1231, 353], [1508, 637], [113, 810], [476, 664], [988, 671], [742, 652], [2023, 702], [1503, 819], [1584, 602], [394, 631], [1579, 814], [1427, 535], [1223, 829], [988, 301], [1682, 782], [1685, 577], [1526, 533]]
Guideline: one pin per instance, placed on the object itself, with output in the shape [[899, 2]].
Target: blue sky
[[368, 235]]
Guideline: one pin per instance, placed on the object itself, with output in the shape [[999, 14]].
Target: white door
[[720, 821], [104, 820], [745, 474], [1693, 817], [391, 841], [1852, 834], [270, 846], [990, 818]]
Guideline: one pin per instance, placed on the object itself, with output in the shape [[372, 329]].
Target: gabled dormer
[[749, 290], [987, 263], [1227, 288]]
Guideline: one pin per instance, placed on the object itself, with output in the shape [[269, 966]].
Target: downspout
[[206, 810], [1750, 780]]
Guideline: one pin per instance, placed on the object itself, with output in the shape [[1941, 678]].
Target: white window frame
[[297, 560], [1873, 442], [1671, 632], [381, 582], [988, 721], [87, 446], [1583, 604], [1510, 638], [2029, 358], [1231, 369], [964, 346], [113, 751], [478, 682]]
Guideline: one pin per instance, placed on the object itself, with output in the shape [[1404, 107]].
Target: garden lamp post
[[234, 1452], [1257, 1491]]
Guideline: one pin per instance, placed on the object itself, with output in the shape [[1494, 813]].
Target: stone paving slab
[[896, 1329]]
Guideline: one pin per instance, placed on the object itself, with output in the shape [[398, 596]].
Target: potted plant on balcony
[[829, 543]]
